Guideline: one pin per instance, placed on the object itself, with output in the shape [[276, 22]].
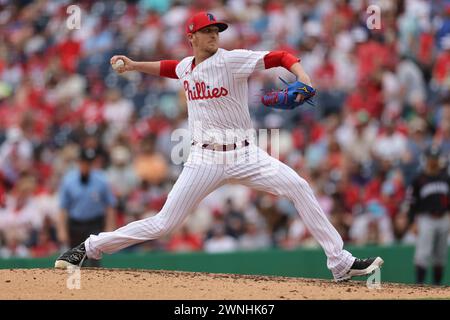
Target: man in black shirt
[[428, 198]]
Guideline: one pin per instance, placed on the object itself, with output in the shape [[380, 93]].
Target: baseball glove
[[285, 98]]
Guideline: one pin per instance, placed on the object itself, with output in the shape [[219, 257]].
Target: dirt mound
[[167, 285]]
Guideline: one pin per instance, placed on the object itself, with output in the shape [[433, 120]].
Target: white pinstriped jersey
[[217, 94]]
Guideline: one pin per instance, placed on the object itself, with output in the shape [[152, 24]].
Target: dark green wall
[[309, 263]]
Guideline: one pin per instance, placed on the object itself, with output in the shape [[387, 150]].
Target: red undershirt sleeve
[[279, 59], [167, 68]]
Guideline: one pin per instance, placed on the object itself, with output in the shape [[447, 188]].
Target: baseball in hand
[[119, 63]]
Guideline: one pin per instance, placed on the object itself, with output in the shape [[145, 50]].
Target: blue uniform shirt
[[85, 201]]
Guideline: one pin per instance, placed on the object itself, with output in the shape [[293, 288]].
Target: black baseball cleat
[[72, 258], [362, 267]]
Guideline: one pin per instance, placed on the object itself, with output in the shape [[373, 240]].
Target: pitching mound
[[167, 285]]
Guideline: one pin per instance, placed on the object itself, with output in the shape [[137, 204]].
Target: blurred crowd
[[383, 98]]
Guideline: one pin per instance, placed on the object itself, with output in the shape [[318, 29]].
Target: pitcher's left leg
[[269, 174]]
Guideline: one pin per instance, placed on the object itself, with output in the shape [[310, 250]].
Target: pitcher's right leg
[[194, 183]]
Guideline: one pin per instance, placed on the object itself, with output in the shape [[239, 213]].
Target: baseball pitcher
[[216, 88]]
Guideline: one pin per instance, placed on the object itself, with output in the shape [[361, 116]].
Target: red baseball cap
[[201, 20]]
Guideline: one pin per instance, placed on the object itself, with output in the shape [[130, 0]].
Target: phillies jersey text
[[217, 94]]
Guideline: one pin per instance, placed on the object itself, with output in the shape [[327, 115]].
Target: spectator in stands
[[121, 174], [18, 218], [149, 164], [220, 241], [184, 241], [254, 238], [373, 226]]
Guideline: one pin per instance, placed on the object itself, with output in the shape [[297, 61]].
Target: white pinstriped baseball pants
[[205, 171]]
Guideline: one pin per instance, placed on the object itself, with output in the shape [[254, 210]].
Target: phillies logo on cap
[[201, 20]]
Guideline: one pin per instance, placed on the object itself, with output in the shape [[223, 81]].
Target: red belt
[[223, 147]]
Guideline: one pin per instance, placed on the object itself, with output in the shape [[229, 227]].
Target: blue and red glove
[[286, 98]]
